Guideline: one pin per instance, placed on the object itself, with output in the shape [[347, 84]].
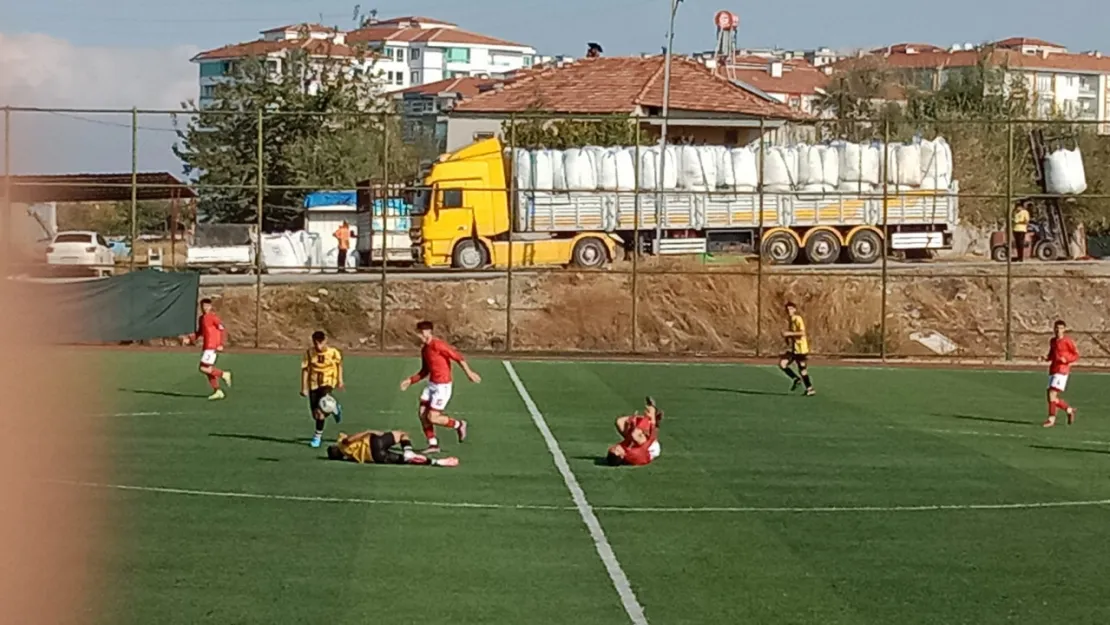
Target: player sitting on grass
[[639, 434], [375, 447], [321, 372]]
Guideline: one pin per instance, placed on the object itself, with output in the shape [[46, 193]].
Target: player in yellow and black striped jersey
[[797, 350], [321, 373]]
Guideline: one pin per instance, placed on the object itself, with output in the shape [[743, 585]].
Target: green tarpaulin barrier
[[1098, 247], [136, 306]]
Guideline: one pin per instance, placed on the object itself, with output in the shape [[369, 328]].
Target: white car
[[81, 248]]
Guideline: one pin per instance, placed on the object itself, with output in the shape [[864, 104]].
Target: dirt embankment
[[722, 314]]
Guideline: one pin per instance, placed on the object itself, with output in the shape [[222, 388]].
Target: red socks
[[1057, 405], [452, 423], [430, 432]]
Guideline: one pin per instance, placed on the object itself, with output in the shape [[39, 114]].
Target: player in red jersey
[[1062, 354], [639, 437], [436, 357], [213, 335]]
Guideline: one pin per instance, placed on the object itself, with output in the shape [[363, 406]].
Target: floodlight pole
[[667, 55]]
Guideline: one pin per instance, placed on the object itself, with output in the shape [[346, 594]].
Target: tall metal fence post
[[636, 247], [6, 217], [886, 239], [759, 248], [1008, 323], [514, 210], [134, 183], [383, 301], [261, 182]]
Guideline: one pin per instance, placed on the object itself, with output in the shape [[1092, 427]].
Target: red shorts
[[637, 456]]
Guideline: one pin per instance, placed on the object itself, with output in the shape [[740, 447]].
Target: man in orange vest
[[343, 235]]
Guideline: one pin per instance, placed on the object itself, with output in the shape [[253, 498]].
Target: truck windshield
[[420, 200]]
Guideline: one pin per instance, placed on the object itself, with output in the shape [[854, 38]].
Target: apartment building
[[418, 51], [406, 51], [1060, 83]]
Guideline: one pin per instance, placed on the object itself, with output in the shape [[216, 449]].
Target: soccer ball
[[328, 405]]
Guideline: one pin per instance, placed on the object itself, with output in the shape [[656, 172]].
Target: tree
[[325, 124], [561, 134]]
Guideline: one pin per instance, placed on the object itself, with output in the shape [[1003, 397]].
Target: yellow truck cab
[[468, 220]]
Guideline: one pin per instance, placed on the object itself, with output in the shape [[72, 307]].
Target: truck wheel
[[781, 248], [865, 247], [469, 254], [822, 248], [999, 253], [1045, 250], [590, 253]]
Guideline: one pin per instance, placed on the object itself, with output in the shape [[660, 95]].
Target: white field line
[[601, 543], [748, 365], [993, 435], [204, 412], [618, 509]]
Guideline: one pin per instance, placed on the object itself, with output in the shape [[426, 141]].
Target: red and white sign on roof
[[726, 20]]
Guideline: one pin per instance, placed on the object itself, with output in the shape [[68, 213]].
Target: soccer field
[[895, 496]]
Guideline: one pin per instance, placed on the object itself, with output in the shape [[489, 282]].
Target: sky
[[124, 53]]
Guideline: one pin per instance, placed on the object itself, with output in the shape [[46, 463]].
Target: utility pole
[[667, 54]]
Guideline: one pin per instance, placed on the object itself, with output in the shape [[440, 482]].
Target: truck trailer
[[478, 214]]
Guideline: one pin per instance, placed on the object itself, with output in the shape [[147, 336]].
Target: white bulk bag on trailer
[[904, 162], [859, 163], [558, 170], [722, 159], [607, 171], [626, 168], [745, 169], [542, 171], [522, 166], [936, 164], [830, 167], [777, 175], [580, 171], [811, 168]]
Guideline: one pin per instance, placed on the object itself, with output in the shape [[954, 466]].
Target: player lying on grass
[[797, 350], [436, 357], [1062, 354], [213, 335], [321, 373], [639, 437], [375, 447]]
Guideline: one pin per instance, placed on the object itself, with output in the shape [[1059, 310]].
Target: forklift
[[1047, 238]]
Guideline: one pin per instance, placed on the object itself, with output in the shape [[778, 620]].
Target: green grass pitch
[[886, 499]]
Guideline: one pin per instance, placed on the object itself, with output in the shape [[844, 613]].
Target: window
[[101, 242], [73, 237], [414, 78], [388, 52], [482, 136], [1044, 83], [455, 75], [451, 198], [458, 55], [414, 54], [398, 78], [272, 66], [208, 91], [527, 60], [399, 54], [212, 70]]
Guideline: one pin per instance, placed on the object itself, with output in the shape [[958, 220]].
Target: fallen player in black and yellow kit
[[375, 447]]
